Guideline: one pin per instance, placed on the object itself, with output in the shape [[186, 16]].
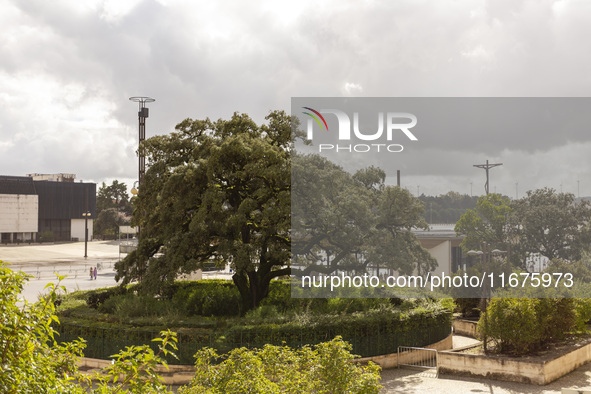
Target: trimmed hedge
[[370, 333]]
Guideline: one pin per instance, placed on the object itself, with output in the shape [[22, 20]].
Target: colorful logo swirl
[[315, 118]]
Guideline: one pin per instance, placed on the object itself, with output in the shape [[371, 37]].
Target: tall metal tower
[[142, 115]]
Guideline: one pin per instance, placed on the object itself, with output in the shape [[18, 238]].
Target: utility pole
[[487, 167]]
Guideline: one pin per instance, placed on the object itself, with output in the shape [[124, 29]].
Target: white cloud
[[67, 68]]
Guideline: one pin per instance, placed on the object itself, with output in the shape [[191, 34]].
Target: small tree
[[525, 325]]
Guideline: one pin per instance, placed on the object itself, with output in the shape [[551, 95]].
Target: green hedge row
[[370, 333]]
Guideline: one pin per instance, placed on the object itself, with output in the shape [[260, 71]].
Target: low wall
[[391, 360], [466, 328], [514, 369]]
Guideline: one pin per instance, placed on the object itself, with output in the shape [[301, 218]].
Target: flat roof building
[[45, 207]]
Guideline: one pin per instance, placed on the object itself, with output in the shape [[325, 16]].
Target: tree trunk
[[252, 289]]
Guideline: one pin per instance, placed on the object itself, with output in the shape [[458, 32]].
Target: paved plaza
[[43, 261]]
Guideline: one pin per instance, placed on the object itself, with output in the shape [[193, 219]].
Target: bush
[[525, 325], [275, 369], [468, 307], [30, 359], [208, 298], [583, 313], [97, 297], [131, 305]]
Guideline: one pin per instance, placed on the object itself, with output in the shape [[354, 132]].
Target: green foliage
[[581, 269], [486, 223], [113, 196], [583, 313], [135, 368], [447, 208], [415, 327], [552, 224], [368, 322], [525, 325], [130, 305], [468, 307], [215, 192], [32, 362], [352, 221], [30, 359], [112, 205], [325, 368], [208, 298], [97, 297], [107, 223]]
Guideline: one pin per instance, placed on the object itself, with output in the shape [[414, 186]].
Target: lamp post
[[86, 216], [142, 115], [485, 257]]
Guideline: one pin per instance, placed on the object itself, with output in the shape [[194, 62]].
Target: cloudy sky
[[68, 68]]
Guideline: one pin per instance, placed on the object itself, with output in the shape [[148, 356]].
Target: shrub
[[131, 305], [263, 312], [324, 368], [583, 313], [468, 307], [208, 298], [97, 297], [511, 324], [374, 332], [30, 359], [525, 325]]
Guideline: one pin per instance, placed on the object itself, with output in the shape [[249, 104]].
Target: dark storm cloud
[[68, 68]]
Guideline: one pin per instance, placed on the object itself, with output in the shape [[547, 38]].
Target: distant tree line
[[447, 208]]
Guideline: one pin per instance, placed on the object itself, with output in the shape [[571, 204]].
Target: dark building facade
[[44, 209], [60, 203]]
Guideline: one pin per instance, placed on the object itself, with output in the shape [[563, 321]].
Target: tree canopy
[[113, 196], [553, 224], [215, 192], [544, 221], [488, 223], [351, 222], [112, 202], [221, 192]]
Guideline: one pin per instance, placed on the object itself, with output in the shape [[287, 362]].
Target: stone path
[[412, 381]]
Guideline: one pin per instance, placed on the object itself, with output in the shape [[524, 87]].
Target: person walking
[[91, 273], [95, 272]]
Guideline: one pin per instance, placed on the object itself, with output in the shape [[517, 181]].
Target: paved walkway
[[412, 381], [43, 261], [409, 381]]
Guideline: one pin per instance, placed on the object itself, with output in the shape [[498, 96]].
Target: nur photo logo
[[390, 127]]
